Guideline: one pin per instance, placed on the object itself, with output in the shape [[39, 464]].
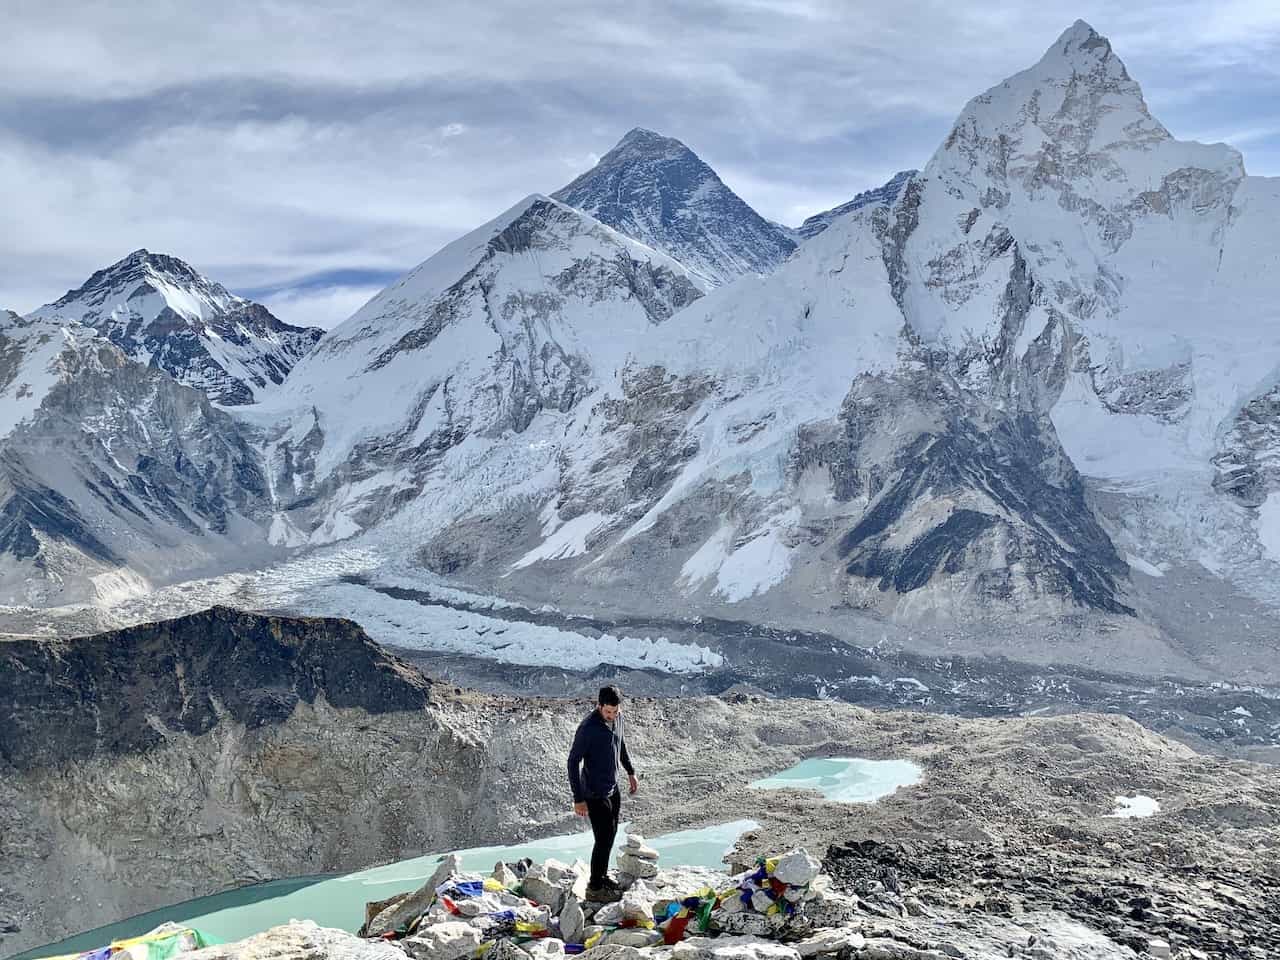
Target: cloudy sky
[[304, 152]]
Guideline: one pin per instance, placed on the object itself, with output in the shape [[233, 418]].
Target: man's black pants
[[603, 813]]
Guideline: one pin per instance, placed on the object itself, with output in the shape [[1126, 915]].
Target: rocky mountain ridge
[[883, 195], [112, 473], [163, 313], [656, 190], [1009, 833]]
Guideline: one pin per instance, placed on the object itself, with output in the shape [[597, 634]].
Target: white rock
[[414, 904], [761, 901], [302, 938], [637, 904], [634, 937], [542, 890], [747, 922], [829, 941], [636, 847], [797, 867], [504, 875], [572, 920], [609, 915], [556, 870], [546, 948], [1159, 949], [745, 948], [612, 951], [450, 940]]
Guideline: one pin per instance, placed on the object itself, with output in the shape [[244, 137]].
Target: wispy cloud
[[271, 142]]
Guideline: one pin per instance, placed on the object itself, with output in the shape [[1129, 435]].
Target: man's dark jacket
[[597, 749]]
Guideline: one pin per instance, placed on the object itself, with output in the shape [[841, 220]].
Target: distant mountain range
[[1027, 389]]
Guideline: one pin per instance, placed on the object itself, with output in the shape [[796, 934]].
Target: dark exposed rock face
[[162, 312], [656, 190], [113, 467], [126, 691], [1248, 464], [951, 484], [883, 195]]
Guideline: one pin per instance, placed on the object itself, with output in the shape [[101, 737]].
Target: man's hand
[[635, 784], [581, 808]]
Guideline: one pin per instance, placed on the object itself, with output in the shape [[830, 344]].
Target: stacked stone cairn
[[539, 910], [636, 861]]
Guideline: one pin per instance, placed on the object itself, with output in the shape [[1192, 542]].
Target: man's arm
[[576, 753], [626, 759]]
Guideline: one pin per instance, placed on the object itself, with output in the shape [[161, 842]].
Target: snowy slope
[[29, 351], [517, 322], [112, 475], [905, 416], [1019, 398], [163, 313], [883, 195], [656, 190]]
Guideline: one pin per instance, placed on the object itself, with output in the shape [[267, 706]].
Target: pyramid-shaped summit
[[656, 190], [163, 312]]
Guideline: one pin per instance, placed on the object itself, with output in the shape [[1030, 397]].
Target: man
[[599, 748]]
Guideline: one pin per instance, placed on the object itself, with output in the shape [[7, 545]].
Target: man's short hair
[[610, 696]]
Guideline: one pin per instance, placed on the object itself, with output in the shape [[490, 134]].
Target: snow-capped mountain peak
[[161, 311], [883, 195], [151, 282], [656, 190]]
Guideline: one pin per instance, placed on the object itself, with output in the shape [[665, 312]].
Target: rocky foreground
[[178, 759]]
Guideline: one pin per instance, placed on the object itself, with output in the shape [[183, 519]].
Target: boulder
[[556, 871], [413, 905], [611, 951], [582, 873], [745, 948], [797, 867], [546, 948], [572, 920], [832, 910], [633, 937], [542, 890], [761, 902], [831, 940], [733, 905], [747, 923], [610, 915], [300, 938], [505, 875], [450, 940], [505, 950], [637, 904]]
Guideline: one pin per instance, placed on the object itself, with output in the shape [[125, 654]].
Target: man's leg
[[604, 826]]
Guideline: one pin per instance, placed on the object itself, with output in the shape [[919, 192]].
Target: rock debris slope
[[112, 474], [179, 758]]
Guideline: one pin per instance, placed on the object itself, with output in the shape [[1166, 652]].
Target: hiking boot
[[605, 892]]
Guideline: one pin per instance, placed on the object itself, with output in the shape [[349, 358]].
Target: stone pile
[[636, 860], [539, 910]]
